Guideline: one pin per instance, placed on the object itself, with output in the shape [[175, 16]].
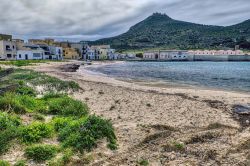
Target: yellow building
[[37, 41], [70, 53]]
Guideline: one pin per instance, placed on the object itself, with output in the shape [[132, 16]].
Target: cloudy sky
[[94, 19]]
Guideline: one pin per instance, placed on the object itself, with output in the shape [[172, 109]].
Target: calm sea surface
[[233, 76]]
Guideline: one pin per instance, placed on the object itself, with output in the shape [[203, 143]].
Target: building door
[[50, 57], [26, 56], [156, 56]]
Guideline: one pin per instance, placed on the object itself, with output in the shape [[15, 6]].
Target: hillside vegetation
[[161, 31]]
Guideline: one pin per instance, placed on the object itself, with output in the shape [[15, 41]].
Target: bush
[[62, 122], [4, 163], [62, 161], [8, 130], [9, 103], [35, 132], [67, 106], [25, 90], [20, 163], [40, 152], [21, 104], [83, 134]]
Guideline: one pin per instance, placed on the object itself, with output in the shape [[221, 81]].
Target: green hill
[[161, 31]]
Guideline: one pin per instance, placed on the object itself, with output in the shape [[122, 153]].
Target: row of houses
[[188, 55], [17, 49]]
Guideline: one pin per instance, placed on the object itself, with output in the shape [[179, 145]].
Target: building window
[[9, 56], [8, 48], [36, 55], [20, 56], [13, 47]]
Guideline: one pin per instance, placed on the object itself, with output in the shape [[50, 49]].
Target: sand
[[162, 125]]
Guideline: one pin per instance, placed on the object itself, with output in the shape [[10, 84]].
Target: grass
[[4, 163], [20, 63], [20, 163], [63, 160], [41, 153], [8, 130]]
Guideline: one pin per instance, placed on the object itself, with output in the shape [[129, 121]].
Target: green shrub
[[40, 153], [9, 103], [62, 161], [67, 106], [143, 162], [62, 122], [8, 130], [21, 104], [25, 90], [83, 134], [35, 132], [20, 163], [4, 163]]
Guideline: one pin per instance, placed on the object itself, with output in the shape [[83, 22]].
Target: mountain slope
[[161, 31]]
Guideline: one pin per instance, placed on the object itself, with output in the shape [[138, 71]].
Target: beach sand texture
[[164, 126]]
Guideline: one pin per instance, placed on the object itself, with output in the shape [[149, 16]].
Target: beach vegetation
[[83, 134], [20, 163], [21, 63], [8, 130], [41, 152], [63, 160], [35, 132], [143, 162], [4, 163], [66, 106], [46, 114]]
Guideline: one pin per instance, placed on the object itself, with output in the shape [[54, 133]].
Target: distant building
[[7, 50], [151, 55], [37, 41], [70, 53], [216, 52], [166, 55]]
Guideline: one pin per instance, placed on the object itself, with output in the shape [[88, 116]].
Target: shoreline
[[98, 76], [148, 118]]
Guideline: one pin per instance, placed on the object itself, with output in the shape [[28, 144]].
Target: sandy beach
[[164, 125]]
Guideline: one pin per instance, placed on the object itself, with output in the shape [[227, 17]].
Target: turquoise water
[[233, 76]]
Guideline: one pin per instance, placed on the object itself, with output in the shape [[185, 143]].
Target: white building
[[56, 53], [216, 52], [173, 55], [30, 52]]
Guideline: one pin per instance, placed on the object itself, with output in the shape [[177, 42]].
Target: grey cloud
[[90, 20]]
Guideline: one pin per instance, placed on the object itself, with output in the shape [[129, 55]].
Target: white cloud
[[86, 20]]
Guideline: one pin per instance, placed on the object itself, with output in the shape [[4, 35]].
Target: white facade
[[173, 55], [30, 54]]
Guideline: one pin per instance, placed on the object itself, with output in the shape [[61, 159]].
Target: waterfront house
[[216, 52], [56, 53], [7, 50], [70, 53], [30, 52]]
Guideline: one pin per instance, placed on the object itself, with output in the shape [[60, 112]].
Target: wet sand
[[164, 125]]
